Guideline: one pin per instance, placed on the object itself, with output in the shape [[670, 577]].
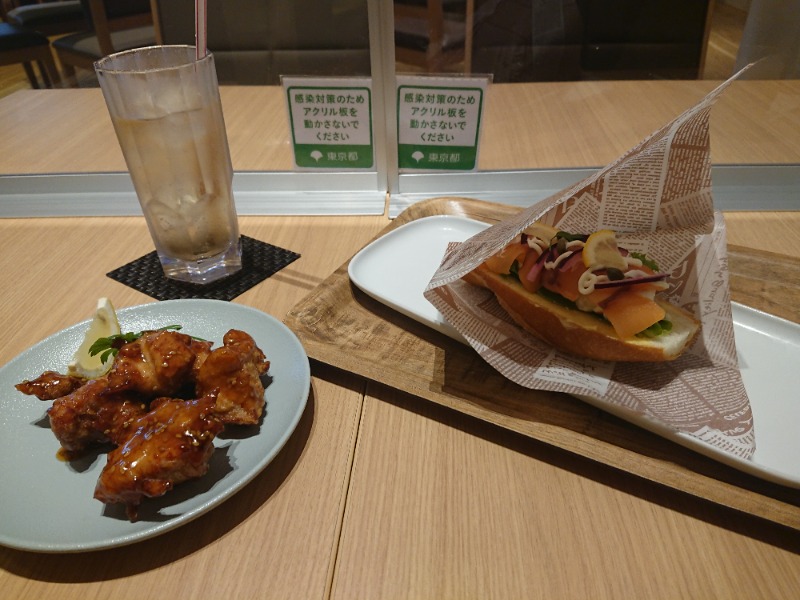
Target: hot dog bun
[[584, 334]]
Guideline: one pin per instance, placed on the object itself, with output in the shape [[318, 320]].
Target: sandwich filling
[[590, 273]]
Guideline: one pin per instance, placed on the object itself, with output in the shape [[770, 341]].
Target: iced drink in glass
[[165, 106]]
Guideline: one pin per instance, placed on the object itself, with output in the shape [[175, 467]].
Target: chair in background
[[434, 34], [254, 42], [116, 25], [572, 40], [538, 40], [21, 46], [50, 17], [659, 39]]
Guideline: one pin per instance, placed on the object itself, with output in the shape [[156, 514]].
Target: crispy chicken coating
[[232, 375], [50, 385], [92, 415], [245, 344], [170, 444], [201, 350], [159, 363], [141, 407]]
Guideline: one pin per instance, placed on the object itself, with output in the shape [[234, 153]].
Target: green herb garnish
[[109, 346], [647, 262], [571, 237], [656, 329]]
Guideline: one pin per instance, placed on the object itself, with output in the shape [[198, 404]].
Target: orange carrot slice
[[565, 281], [502, 261], [629, 313]]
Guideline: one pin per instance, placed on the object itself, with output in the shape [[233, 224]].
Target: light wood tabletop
[[378, 493], [543, 125]]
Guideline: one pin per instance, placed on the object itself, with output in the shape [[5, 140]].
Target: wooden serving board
[[341, 326]]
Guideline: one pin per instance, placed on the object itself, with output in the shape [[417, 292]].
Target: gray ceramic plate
[[46, 505]]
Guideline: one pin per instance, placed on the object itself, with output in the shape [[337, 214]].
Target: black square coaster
[[259, 261]]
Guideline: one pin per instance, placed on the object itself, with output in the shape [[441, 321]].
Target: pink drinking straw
[[200, 24]]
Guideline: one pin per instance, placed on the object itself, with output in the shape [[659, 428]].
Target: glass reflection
[[574, 40], [255, 42]]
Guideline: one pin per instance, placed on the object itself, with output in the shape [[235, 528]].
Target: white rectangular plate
[[396, 268]]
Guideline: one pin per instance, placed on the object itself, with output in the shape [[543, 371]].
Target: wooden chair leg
[[31, 75], [48, 83], [49, 71]]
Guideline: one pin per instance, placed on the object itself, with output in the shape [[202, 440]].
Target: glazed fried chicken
[[162, 403], [201, 350], [92, 415], [159, 363], [170, 444], [85, 414], [50, 385], [232, 375], [244, 343]]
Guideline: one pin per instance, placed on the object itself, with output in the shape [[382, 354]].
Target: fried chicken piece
[[232, 375], [159, 363], [201, 350], [170, 444], [50, 385], [93, 415], [244, 343]]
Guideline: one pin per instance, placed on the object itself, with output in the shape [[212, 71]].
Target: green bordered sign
[[439, 121], [331, 122]]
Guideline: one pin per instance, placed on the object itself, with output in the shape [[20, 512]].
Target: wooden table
[[545, 125], [379, 494]]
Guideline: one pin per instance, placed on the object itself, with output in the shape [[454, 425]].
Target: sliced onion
[[631, 281], [537, 267], [570, 261]]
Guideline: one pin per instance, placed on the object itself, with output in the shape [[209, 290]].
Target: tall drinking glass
[[165, 106]]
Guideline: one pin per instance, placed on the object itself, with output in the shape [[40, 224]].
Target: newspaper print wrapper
[[657, 197]]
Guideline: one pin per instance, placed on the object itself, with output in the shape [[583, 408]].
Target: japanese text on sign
[[439, 117], [331, 124], [438, 122], [331, 117]]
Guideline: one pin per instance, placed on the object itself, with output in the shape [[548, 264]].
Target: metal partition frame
[[382, 190], [267, 193], [735, 187], [112, 194]]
